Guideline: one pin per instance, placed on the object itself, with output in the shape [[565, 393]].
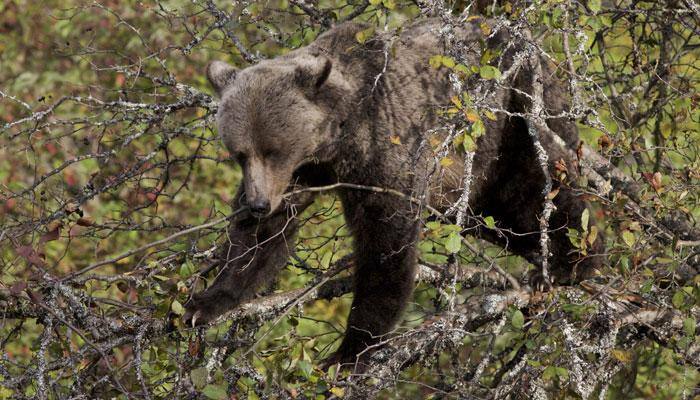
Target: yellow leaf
[[490, 115], [124, 260], [395, 139], [621, 355], [449, 62], [585, 215], [435, 61], [472, 116], [458, 140], [363, 35], [338, 391], [592, 235], [551, 195], [628, 238], [446, 161], [456, 101]]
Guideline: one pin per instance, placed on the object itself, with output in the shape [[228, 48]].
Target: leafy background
[[108, 144]]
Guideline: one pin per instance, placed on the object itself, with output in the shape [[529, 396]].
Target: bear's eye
[[241, 158]]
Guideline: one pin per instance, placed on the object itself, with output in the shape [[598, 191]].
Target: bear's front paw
[[355, 365], [201, 310], [538, 282]]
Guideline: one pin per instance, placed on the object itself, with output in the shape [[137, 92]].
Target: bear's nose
[[259, 207]]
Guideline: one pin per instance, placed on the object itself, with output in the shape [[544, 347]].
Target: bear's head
[[275, 117]]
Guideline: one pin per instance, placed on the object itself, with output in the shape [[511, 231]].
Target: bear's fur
[[341, 111]]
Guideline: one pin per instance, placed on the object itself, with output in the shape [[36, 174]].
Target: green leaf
[[563, 373], [689, 325], [549, 373], [624, 264], [573, 237], [468, 143], [628, 238], [453, 243], [326, 259], [199, 377], [215, 392], [517, 320], [678, 299], [489, 72], [187, 269], [177, 308], [449, 62], [439, 60], [305, 368], [594, 5], [389, 4], [552, 372], [463, 69], [477, 129], [452, 228], [490, 222], [433, 225]]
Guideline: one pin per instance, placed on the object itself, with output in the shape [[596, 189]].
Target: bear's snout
[[259, 207]]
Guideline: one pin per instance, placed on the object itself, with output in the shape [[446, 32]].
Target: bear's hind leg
[[515, 200]]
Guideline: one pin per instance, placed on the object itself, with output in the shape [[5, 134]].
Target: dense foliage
[[115, 190]]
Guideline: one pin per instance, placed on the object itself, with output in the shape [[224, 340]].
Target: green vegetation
[[108, 143]]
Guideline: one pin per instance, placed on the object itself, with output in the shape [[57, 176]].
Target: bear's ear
[[315, 75], [220, 75]]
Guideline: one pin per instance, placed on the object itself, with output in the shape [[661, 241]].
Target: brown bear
[[339, 110]]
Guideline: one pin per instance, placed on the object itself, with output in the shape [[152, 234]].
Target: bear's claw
[[196, 316], [539, 283]]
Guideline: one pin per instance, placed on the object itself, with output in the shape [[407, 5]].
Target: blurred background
[[107, 146]]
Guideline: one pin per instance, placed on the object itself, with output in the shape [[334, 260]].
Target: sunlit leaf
[[585, 215], [363, 35], [489, 72], [215, 392], [628, 238], [453, 243], [689, 326], [177, 307], [517, 320]]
